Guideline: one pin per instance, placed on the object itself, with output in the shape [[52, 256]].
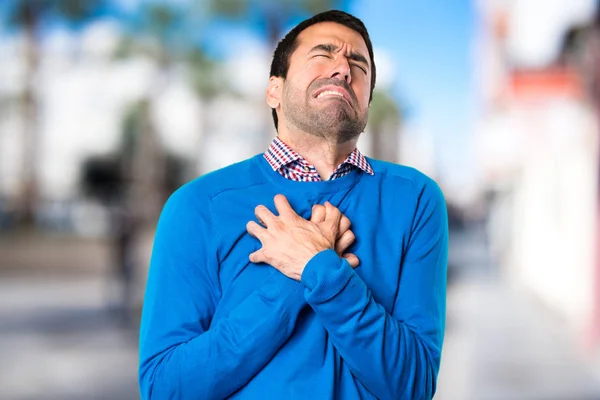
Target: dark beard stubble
[[336, 121]]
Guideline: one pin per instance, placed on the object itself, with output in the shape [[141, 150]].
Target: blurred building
[[537, 140]]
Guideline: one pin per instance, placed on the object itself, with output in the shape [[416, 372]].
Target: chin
[[342, 130], [335, 114]]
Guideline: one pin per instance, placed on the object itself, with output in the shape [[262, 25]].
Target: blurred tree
[[30, 17], [158, 35], [167, 35], [208, 82], [384, 125]]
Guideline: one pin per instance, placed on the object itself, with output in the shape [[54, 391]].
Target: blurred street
[[62, 338], [60, 333]]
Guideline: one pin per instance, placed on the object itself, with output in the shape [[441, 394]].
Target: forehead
[[334, 33]]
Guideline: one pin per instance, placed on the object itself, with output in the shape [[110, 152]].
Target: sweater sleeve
[[393, 355], [183, 355]]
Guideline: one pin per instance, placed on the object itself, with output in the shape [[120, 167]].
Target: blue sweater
[[215, 325]]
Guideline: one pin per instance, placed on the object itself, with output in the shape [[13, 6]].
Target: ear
[[274, 91]]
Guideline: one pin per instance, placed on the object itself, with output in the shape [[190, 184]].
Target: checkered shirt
[[292, 166]]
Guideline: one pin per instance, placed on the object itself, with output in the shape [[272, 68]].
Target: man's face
[[326, 92]]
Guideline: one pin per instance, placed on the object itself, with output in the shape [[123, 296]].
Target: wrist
[[325, 276], [310, 255]]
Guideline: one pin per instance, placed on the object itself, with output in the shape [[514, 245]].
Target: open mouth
[[333, 92], [329, 93]]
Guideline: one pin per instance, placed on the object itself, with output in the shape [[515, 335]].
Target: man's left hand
[[288, 240]]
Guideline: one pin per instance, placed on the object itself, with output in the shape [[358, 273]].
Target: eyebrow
[[331, 48]]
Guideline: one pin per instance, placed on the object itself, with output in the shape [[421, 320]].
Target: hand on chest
[[284, 238]]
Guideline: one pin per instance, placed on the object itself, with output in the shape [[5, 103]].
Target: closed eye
[[360, 67]]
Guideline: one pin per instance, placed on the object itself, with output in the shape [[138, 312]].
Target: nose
[[341, 69]]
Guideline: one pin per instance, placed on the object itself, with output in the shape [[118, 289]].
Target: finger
[[333, 218], [344, 225], [257, 257], [344, 242], [352, 259], [318, 213], [264, 215], [283, 207], [255, 230], [261, 222]]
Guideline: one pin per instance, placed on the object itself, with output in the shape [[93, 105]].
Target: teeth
[[329, 93]]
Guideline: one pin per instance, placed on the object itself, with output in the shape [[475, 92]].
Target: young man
[[335, 288]]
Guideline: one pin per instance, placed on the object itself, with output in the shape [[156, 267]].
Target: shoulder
[[407, 178], [236, 176]]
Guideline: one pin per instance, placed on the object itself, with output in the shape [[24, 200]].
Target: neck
[[325, 154]]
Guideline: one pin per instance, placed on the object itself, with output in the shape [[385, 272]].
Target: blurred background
[[107, 106]]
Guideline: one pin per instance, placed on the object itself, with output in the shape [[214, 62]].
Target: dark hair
[[287, 45]]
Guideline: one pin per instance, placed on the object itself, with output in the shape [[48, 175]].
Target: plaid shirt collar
[[292, 165]]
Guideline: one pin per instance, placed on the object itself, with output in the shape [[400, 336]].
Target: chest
[[379, 245]]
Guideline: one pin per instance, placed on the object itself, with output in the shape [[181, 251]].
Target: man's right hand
[[345, 236]]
